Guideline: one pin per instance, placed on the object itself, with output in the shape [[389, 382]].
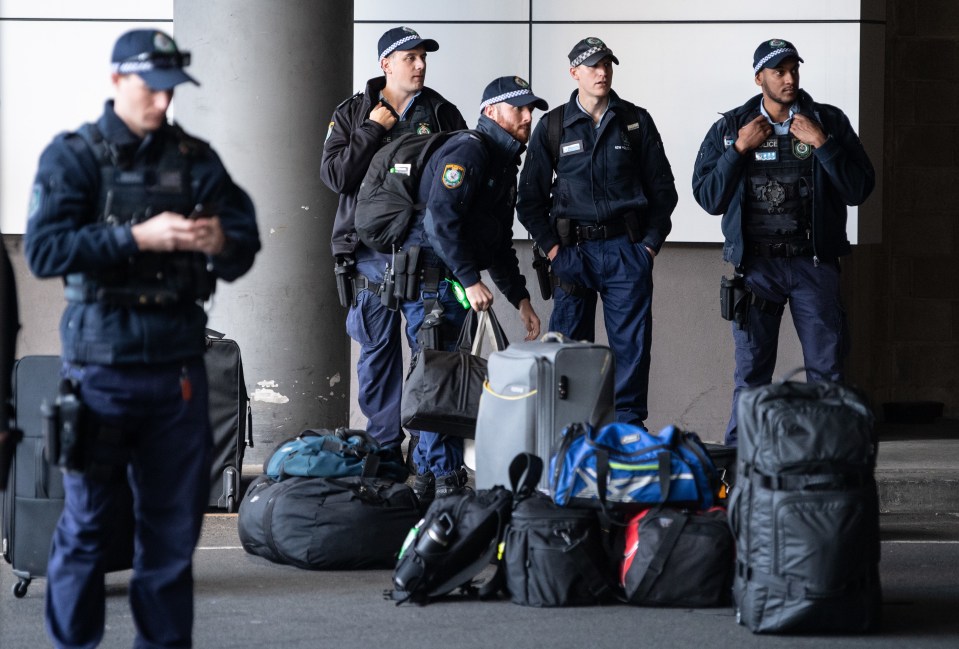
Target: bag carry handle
[[524, 473], [475, 325]]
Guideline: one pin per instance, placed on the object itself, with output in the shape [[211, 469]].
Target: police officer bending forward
[[604, 217], [140, 218], [469, 189], [781, 169]]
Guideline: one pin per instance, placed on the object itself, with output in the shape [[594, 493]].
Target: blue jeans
[[621, 272], [168, 430], [818, 314]]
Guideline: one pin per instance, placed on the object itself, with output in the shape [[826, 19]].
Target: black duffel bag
[[678, 558], [327, 523], [442, 390]]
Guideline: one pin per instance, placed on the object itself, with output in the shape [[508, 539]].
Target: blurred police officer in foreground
[[781, 169], [469, 190], [604, 217], [392, 105], [140, 219], [9, 325]]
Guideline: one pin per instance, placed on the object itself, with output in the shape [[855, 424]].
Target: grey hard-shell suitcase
[[805, 510], [533, 391], [34, 496], [230, 418]]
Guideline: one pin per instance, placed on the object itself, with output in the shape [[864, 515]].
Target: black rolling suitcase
[[34, 497], [805, 510], [230, 418]]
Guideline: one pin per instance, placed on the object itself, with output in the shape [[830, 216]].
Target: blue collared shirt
[[598, 122], [780, 128]]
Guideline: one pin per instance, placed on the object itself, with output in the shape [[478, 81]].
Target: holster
[[542, 267], [566, 232], [343, 269], [735, 301], [64, 429]]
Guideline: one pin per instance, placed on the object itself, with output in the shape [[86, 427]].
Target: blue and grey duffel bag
[[625, 467]]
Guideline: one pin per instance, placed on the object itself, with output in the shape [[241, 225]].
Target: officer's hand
[[165, 232], [530, 319], [210, 238], [553, 252], [753, 134], [807, 131], [383, 116], [480, 297]]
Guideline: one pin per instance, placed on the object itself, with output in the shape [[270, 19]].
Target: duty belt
[[600, 231], [780, 250], [361, 282]]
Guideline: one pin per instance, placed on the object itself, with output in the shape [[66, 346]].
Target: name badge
[[767, 156], [569, 148]]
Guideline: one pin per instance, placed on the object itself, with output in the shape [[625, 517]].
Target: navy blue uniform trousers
[[621, 272], [820, 319], [169, 473]]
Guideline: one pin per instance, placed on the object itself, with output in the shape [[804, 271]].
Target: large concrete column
[[271, 75]]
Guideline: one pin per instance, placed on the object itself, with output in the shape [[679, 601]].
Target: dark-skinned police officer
[[781, 170], [469, 189], [604, 217], [140, 219], [392, 105]]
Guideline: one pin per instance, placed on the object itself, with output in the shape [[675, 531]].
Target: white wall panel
[[695, 10], [60, 9], [443, 10]]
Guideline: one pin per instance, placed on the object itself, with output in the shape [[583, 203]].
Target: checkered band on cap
[[506, 95], [393, 46], [772, 55], [588, 53]]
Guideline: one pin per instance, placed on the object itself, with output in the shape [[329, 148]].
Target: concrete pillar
[[271, 75]]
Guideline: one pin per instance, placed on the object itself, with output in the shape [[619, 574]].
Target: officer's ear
[[490, 111], [385, 64], [759, 77]]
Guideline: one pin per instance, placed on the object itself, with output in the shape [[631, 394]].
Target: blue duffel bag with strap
[[625, 467], [338, 453]]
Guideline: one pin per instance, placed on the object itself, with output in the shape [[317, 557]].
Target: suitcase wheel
[[20, 588]]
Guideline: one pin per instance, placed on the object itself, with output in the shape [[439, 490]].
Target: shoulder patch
[[329, 130], [36, 200], [453, 176]]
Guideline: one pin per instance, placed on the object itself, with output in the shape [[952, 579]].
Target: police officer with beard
[[392, 105], [141, 219], [781, 170]]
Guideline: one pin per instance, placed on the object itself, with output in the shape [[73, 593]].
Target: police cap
[[154, 56], [589, 52], [770, 53], [403, 38], [515, 91]]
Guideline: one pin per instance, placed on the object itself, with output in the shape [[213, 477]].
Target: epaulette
[[189, 145], [349, 99]]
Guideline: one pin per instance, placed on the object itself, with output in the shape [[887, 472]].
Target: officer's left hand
[[480, 297], [807, 131], [529, 318], [209, 235]]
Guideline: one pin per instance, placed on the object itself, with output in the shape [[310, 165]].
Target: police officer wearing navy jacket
[[781, 170], [604, 217], [141, 219], [392, 105], [469, 190], [9, 325]]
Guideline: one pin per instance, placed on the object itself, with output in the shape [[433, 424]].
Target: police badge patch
[[423, 128], [329, 131], [453, 176], [801, 150]]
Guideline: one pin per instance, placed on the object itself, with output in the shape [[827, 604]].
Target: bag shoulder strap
[[554, 131], [658, 562]]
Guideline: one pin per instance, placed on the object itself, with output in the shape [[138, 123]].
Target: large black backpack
[[386, 202]]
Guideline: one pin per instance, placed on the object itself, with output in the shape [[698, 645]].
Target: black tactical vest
[[779, 192], [132, 191], [420, 119]]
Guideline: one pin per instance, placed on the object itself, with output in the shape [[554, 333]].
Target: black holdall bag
[[805, 510], [442, 391], [552, 555], [346, 523], [678, 558]]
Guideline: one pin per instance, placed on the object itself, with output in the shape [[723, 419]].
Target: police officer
[[469, 190], [140, 218], [9, 325], [603, 219], [392, 105], [781, 169]]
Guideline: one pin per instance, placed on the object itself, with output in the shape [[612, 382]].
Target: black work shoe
[[425, 488], [452, 483]]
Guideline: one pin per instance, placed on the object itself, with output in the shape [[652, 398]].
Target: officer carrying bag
[[805, 510], [386, 202]]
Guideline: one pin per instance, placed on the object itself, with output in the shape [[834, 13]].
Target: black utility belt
[[781, 250], [572, 232]]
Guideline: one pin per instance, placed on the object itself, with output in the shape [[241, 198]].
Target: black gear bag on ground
[[552, 555], [327, 523], [386, 201], [805, 510], [678, 558]]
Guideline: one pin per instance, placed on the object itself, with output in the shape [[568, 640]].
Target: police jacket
[[9, 325], [353, 139], [599, 177], [842, 175], [469, 189], [66, 236]]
